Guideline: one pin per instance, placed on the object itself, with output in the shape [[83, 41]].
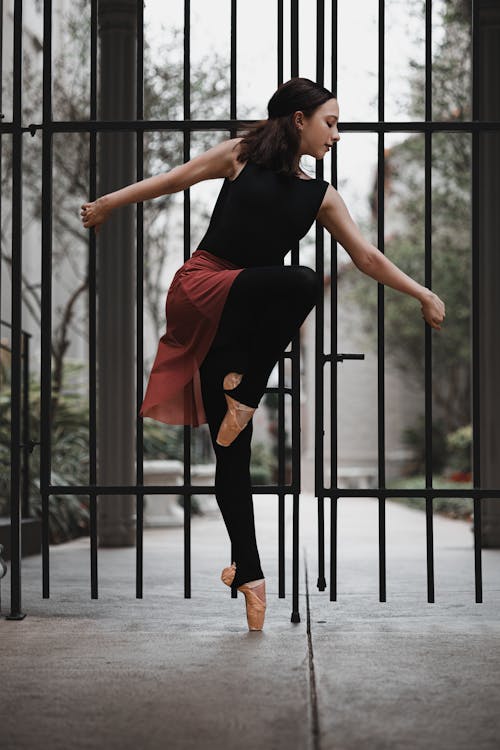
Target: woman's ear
[[299, 120]]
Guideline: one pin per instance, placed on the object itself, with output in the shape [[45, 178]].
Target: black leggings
[[264, 309]]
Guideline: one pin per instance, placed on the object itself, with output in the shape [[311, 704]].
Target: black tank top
[[261, 215]]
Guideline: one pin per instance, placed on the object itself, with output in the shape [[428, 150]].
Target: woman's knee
[[260, 289], [308, 283]]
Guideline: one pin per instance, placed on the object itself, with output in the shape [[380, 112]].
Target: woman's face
[[318, 132]]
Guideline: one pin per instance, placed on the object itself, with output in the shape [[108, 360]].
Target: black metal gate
[[22, 443]]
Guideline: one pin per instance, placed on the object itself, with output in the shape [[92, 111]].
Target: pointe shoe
[[227, 575], [255, 602], [234, 421]]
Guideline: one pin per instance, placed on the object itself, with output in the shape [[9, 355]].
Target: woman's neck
[[296, 165]]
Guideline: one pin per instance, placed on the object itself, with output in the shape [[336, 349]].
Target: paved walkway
[[181, 674]]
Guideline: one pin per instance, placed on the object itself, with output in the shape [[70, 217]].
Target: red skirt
[[193, 308]]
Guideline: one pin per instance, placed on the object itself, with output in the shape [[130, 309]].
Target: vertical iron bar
[[281, 384], [15, 434], [380, 305], [25, 502], [187, 253], [296, 473], [319, 430], [281, 433], [46, 311], [295, 362], [16, 318], [232, 81], [280, 42], [92, 307], [232, 116], [333, 345], [139, 524], [1, 142], [294, 38], [476, 249], [428, 283]]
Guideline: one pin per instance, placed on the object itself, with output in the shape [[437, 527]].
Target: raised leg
[[265, 308]]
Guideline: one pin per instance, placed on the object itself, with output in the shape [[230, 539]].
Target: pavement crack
[[313, 697]]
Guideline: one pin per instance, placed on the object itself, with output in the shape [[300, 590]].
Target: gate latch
[[341, 357]]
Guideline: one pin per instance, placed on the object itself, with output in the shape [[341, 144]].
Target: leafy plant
[[459, 449], [262, 464], [453, 507], [414, 438], [271, 403], [68, 514]]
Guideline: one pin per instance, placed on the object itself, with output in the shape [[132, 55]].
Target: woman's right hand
[[94, 214]]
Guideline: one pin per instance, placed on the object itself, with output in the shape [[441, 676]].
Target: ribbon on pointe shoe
[[227, 575], [231, 426]]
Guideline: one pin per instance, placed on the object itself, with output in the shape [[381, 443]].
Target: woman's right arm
[[218, 161]]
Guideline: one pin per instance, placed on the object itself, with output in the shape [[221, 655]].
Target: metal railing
[[48, 127]]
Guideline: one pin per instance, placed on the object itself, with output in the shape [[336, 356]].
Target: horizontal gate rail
[[188, 126]]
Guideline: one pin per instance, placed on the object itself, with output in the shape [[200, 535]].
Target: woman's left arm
[[335, 217]]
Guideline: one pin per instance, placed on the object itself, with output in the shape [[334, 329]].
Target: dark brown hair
[[273, 143]]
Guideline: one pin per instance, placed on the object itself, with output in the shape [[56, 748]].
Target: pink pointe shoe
[[255, 601], [255, 598], [238, 415]]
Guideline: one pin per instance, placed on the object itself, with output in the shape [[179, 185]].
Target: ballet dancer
[[233, 307]]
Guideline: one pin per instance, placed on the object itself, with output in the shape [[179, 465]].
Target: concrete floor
[[169, 672]]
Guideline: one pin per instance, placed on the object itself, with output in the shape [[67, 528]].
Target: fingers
[[433, 322], [86, 215]]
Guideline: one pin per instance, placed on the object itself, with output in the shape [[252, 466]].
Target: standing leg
[[264, 309], [232, 474]]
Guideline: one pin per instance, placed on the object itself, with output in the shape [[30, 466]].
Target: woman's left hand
[[433, 310]]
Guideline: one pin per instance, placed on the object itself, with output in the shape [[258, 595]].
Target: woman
[[233, 307]]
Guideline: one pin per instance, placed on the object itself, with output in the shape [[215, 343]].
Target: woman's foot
[[255, 601], [231, 380], [238, 415], [255, 597]]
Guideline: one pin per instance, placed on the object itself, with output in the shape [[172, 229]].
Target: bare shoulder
[[333, 212], [331, 200], [218, 161], [225, 155], [236, 165]]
